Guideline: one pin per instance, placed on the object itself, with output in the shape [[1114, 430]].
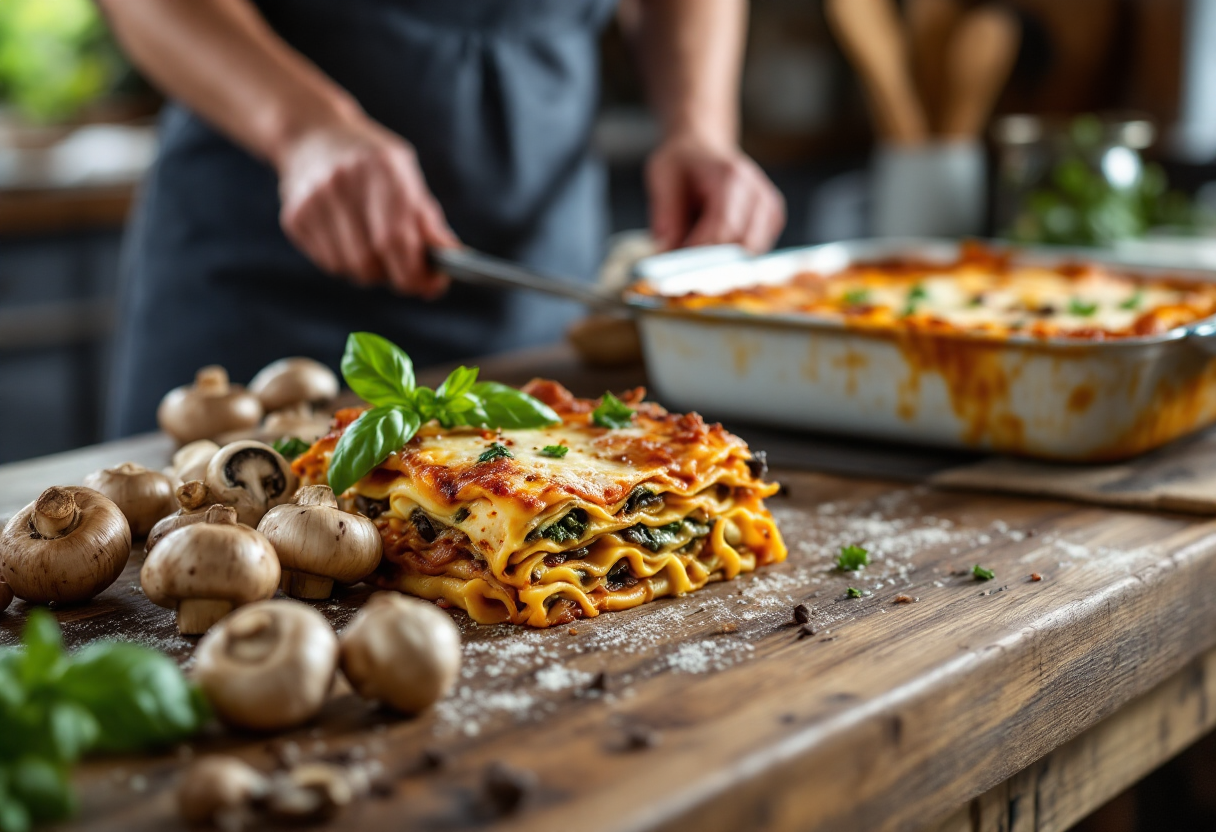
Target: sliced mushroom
[[190, 461], [206, 569], [66, 546], [208, 407], [220, 790], [292, 381], [268, 666], [6, 596], [318, 543], [401, 651], [252, 478], [299, 421], [193, 500], [143, 496]]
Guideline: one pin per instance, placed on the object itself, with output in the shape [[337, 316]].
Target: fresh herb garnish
[[555, 451], [612, 413], [852, 558], [1082, 308], [55, 707], [918, 292], [853, 592], [982, 574], [1134, 301], [290, 447], [382, 374], [856, 297], [495, 451]]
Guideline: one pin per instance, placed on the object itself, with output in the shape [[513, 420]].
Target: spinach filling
[[641, 498], [656, 538], [570, 527]]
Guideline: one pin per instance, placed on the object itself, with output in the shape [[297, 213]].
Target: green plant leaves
[[368, 442], [612, 413], [377, 370], [383, 375]]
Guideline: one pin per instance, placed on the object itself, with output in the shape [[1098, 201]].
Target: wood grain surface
[[889, 716]]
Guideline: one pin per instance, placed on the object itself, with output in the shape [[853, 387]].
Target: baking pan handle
[[1203, 335], [469, 266]]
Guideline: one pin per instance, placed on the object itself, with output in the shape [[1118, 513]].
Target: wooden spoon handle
[[979, 61], [871, 35], [930, 24]]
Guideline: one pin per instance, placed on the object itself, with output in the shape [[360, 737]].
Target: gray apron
[[498, 98]]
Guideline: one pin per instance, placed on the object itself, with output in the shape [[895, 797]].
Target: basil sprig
[[56, 707], [382, 375], [612, 413]]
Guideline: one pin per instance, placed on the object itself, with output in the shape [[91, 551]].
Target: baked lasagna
[[985, 293], [547, 526]]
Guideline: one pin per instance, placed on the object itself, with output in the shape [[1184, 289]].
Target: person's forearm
[[221, 59], [691, 54]]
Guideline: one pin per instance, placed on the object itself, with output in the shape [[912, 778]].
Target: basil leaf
[[370, 440], [138, 696], [853, 592], [612, 413], [506, 407], [495, 451], [377, 370], [1082, 308], [43, 643], [458, 382], [555, 451], [73, 730], [982, 574], [43, 787], [290, 447], [14, 817]]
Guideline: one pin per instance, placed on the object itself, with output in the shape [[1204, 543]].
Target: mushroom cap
[[85, 555], [207, 408], [314, 536], [216, 785], [194, 499], [143, 496], [267, 666], [190, 460], [217, 559], [252, 477], [291, 381], [401, 651]]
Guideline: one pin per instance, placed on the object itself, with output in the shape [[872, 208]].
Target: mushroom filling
[[426, 529], [757, 466], [640, 499], [257, 472], [620, 577], [369, 508]]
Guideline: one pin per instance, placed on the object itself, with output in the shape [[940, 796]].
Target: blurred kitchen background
[[77, 132]]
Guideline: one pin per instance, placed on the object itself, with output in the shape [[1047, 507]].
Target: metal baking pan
[[1060, 399]]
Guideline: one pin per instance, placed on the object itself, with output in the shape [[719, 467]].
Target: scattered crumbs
[[572, 631], [557, 677], [802, 614], [1035, 577], [727, 628], [903, 599]]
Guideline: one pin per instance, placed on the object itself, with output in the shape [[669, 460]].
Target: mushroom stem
[[303, 585], [55, 513], [192, 495], [316, 495], [195, 616], [213, 379]]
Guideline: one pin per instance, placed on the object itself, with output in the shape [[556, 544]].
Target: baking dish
[[1056, 398]]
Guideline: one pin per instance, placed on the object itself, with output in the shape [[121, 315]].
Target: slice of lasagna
[[546, 526]]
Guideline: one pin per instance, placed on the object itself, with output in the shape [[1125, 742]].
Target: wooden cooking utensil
[[930, 24], [978, 63], [872, 37]]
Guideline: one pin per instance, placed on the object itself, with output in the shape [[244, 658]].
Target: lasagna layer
[[984, 293], [545, 536]]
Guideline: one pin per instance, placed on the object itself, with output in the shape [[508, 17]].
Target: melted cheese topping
[[626, 515], [984, 294]]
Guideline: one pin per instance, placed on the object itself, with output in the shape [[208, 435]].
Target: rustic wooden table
[[1009, 705]]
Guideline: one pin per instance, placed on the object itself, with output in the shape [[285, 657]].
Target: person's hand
[[355, 202], [706, 194]]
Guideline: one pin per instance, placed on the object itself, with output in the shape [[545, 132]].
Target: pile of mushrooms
[[287, 392], [251, 477], [193, 500], [65, 547]]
